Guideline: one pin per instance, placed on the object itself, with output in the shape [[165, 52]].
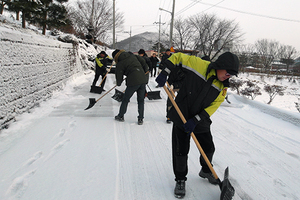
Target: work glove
[[107, 69], [161, 79], [189, 126]]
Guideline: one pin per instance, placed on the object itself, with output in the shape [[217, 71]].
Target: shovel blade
[[118, 96], [227, 191], [92, 103], [96, 89], [153, 95]]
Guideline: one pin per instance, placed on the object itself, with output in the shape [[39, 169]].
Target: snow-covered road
[[60, 151]]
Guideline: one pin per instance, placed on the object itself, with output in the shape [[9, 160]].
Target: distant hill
[[144, 41]]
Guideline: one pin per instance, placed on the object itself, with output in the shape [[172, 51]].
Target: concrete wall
[[32, 66]]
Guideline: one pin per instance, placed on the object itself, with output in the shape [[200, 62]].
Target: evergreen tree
[[51, 13], [27, 7]]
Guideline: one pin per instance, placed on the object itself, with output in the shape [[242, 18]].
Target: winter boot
[[209, 176], [179, 190], [140, 121], [169, 120], [118, 118]]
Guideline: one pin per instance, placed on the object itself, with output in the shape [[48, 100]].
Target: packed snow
[[61, 151]]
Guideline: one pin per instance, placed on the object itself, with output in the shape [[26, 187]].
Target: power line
[[248, 13], [186, 8]]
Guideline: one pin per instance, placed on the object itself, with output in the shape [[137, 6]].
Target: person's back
[[154, 60], [143, 54], [165, 57], [128, 65]]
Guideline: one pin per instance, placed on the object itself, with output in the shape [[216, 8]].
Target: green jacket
[[129, 65], [190, 99]]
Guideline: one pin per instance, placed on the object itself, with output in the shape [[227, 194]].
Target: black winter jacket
[[197, 98], [129, 65]]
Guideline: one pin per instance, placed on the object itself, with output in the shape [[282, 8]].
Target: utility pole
[[172, 21], [159, 23], [114, 24]]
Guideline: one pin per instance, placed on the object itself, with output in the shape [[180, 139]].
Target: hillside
[[144, 41]]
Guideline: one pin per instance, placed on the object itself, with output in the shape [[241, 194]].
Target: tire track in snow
[[249, 138], [124, 183], [117, 162]]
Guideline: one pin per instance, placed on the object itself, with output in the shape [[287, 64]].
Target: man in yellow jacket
[[101, 67], [203, 90]]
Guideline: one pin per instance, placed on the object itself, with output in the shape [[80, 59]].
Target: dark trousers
[[169, 106], [130, 90], [97, 78], [153, 71], [181, 147]]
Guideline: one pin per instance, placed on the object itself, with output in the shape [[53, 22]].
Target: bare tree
[[214, 35], [183, 33], [287, 54], [268, 51], [95, 18], [245, 54]]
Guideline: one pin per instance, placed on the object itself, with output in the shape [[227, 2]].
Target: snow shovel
[[118, 96], [153, 94], [172, 92], [227, 191], [93, 101], [99, 89]]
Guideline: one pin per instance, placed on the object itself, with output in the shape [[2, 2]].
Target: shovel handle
[[108, 91], [172, 92], [105, 76], [192, 134], [149, 88]]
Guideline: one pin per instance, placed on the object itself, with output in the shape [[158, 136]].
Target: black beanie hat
[[115, 52], [227, 61], [102, 52], [142, 51]]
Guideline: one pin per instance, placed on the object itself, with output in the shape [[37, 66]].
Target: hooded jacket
[[129, 65], [198, 98], [101, 63]]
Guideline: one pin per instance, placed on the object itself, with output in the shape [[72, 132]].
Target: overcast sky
[[277, 20], [271, 19]]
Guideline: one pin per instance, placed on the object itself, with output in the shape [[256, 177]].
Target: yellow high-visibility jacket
[[190, 99]]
